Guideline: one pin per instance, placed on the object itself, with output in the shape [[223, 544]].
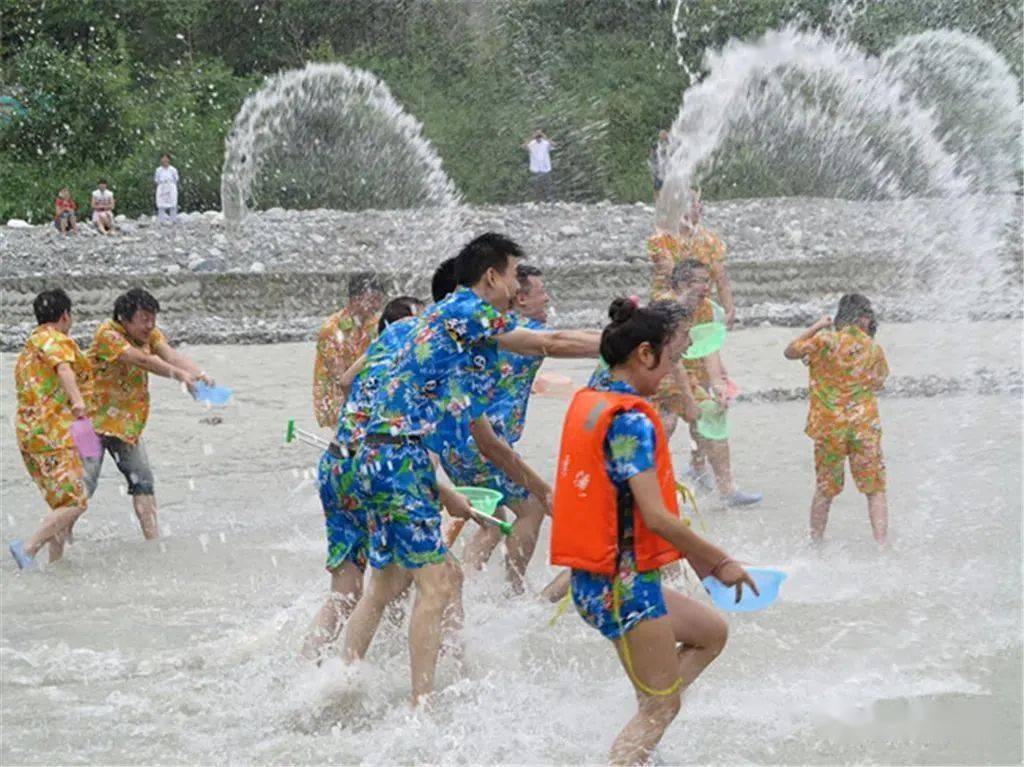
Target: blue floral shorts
[[347, 536], [640, 594], [398, 489], [467, 467]]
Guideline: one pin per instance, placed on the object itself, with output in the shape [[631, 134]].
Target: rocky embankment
[[283, 271]]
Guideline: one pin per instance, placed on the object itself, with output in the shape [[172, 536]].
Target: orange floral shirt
[[120, 403], [846, 368], [666, 250], [44, 410], [342, 340]]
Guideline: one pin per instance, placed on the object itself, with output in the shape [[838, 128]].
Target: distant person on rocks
[[52, 378], [846, 367], [343, 338], [166, 180], [64, 217], [540, 147], [124, 351], [693, 240], [658, 160], [103, 208]]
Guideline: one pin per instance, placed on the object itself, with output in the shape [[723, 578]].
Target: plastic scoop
[[214, 395], [714, 420], [705, 339], [768, 582], [86, 440], [485, 502]]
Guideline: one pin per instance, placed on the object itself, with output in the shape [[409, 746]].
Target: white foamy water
[[185, 651]]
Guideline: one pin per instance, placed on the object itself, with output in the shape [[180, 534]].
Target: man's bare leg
[[717, 451], [559, 587], [519, 545], [145, 510], [346, 588], [878, 513], [820, 505], [384, 587], [432, 596], [55, 524]]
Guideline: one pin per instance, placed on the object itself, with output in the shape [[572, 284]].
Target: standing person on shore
[[467, 466], [540, 147], [616, 524], [65, 212], [52, 377], [846, 367], [658, 161], [103, 202], [124, 351], [436, 394], [693, 240], [166, 180], [342, 339]]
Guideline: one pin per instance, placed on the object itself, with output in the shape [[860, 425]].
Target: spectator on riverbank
[[64, 217], [103, 208], [166, 180], [540, 147], [658, 160]]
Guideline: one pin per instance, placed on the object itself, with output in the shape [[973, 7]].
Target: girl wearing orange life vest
[[616, 522]]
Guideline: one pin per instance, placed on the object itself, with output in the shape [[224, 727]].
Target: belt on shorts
[[391, 439]]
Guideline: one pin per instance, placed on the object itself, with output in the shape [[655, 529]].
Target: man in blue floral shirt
[[507, 414], [436, 395]]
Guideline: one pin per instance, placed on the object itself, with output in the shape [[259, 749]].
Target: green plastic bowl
[[705, 339], [483, 499], [714, 421]]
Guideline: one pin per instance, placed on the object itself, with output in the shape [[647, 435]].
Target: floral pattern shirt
[[120, 404], [44, 410], [380, 355], [445, 377], [666, 250], [341, 341], [507, 413], [846, 367]]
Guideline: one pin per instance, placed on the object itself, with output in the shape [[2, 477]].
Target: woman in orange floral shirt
[[846, 368]]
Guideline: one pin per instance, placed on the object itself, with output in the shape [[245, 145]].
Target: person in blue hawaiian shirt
[[437, 392], [663, 638], [507, 414], [345, 522]]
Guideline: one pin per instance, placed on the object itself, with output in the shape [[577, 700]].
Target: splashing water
[[329, 136], [799, 114]]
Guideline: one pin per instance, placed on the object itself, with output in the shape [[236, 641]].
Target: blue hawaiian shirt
[[629, 443], [379, 357], [507, 413], [445, 375]]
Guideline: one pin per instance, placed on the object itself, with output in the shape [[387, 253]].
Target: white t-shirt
[[540, 155], [166, 186], [104, 198]]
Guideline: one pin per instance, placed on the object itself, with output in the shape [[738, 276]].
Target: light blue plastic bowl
[[768, 582], [215, 395]]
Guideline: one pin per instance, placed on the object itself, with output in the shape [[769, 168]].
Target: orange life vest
[[585, 520]]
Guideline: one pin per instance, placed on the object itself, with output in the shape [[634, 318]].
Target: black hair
[[50, 305], [165, 154], [101, 181], [443, 282], [524, 272], [398, 309], [852, 307], [682, 273], [361, 283], [632, 325], [128, 303], [488, 251]]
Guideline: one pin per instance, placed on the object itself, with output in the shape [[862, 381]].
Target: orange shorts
[[60, 477], [866, 462]]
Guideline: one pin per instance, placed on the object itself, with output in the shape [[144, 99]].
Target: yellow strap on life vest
[[561, 607], [626, 656], [687, 497]]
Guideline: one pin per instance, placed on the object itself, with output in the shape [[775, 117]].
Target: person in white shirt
[[166, 180], [103, 208], [540, 147]]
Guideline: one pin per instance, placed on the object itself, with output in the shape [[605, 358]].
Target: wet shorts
[[131, 460], [60, 477], [345, 521], [866, 462], [398, 490], [467, 467], [640, 594]]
